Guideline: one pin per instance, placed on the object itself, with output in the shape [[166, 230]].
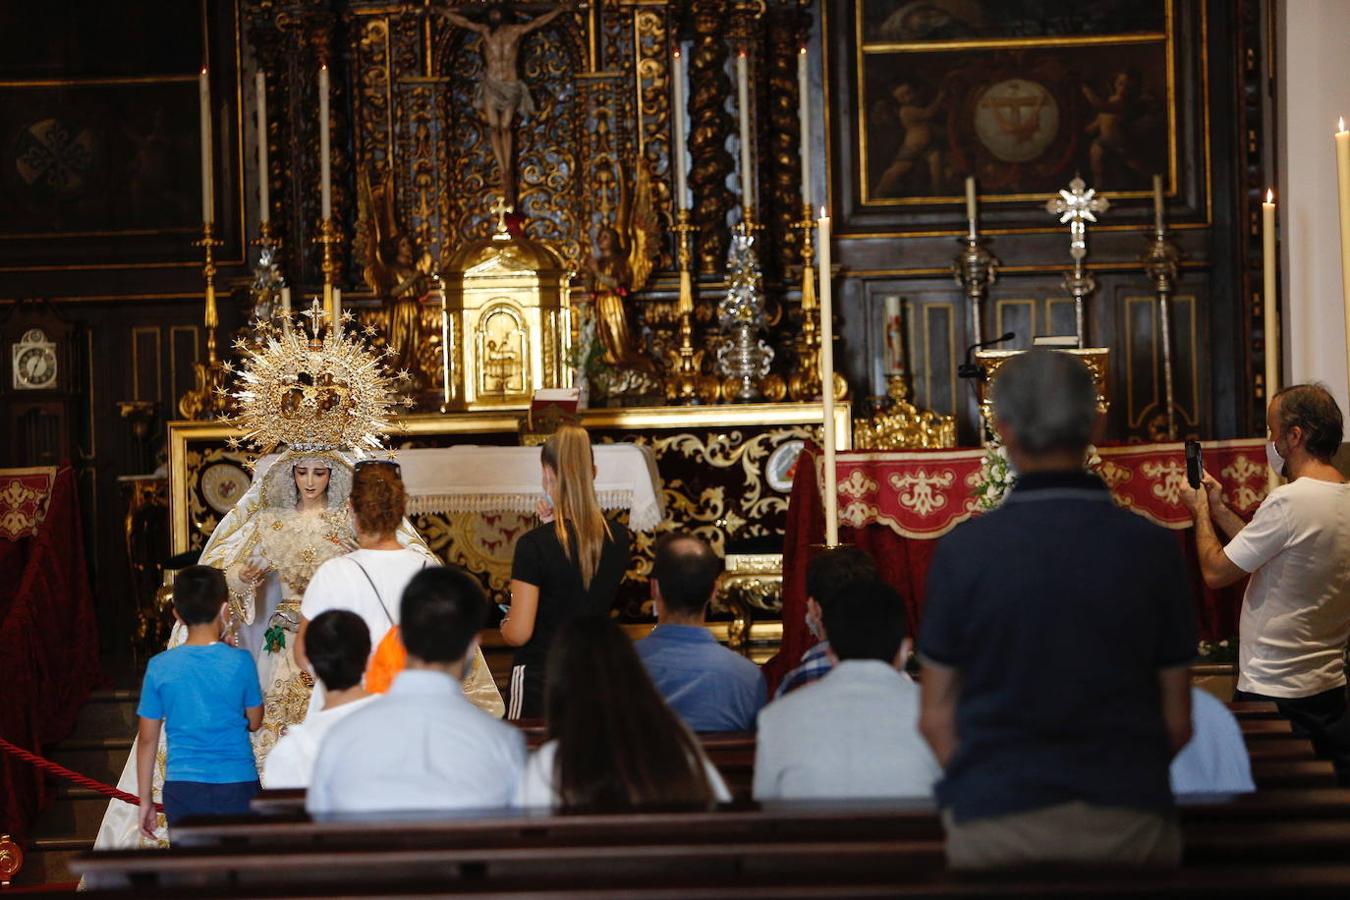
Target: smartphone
[[1195, 466]]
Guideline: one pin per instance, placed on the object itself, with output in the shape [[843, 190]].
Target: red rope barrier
[[47, 765]]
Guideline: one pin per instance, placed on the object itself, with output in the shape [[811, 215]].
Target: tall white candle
[[1343, 184], [894, 338], [677, 116], [743, 107], [1158, 225], [337, 305], [325, 184], [1269, 314], [286, 301], [831, 498], [970, 203], [260, 82], [208, 188], [804, 113]]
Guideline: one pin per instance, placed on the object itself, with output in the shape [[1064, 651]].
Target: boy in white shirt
[[338, 644]]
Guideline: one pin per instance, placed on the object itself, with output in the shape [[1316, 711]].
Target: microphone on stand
[[970, 369]]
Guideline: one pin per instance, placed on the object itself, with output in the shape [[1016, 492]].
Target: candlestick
[[1160, 259], [743, 101], [804, 381], [264, 212], [677, 115], [1158, 226], [1343, 185], [208, 188], [325, 183], [970, 203], [685, 384], [208, 399], [1269, 269], [831, 498], [804, 114], [328, 238]]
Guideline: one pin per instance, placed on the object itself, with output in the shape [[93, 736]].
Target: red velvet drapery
[[48, 644]]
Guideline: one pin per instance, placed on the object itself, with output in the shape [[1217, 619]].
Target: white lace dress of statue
[[269, 546]]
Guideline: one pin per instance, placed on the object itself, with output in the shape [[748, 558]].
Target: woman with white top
[[370, 580], [613, 743], [338, 645]]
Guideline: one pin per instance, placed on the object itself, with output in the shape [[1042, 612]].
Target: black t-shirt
[[540, 560], [1058, 609]]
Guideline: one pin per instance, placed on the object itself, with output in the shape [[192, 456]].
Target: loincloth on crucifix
[[503, 97]]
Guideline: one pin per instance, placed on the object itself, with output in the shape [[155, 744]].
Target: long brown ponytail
[[568, 454]]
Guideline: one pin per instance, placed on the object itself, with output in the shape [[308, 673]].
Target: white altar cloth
[[507, 479]]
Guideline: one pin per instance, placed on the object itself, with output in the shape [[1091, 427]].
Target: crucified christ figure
[[501, 94]]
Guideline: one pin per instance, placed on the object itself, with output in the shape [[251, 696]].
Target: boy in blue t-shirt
[[206, 693]]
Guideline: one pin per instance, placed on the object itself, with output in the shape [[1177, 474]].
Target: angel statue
[[620, 267], [396, 274]]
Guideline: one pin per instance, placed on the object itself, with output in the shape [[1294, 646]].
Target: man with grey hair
[[1296, 611], [1056, 637]]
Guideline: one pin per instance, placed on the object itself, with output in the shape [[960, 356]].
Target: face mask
[[814, 627], [1274, 459]]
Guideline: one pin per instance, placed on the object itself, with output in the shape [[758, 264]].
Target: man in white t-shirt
[[338, 642], [1296, 611], [423, 745]]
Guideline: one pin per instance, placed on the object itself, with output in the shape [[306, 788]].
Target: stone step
[[75, 814], [107, 714], [101, 758], [47, 862]]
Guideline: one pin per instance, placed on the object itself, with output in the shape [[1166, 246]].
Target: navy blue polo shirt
[[1058, 609]]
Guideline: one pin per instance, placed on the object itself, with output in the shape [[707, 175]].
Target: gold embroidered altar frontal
[[925, 494], [725, 474]]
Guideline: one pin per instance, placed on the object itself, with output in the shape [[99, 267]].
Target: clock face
[[34, 366]]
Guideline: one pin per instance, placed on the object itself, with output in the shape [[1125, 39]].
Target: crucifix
[[1077, 206]]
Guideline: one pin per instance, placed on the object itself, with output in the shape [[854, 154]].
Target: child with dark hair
[[338, 644], [205, 695]]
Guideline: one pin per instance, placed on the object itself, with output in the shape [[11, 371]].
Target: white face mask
[[1274, 459], [814, 627]]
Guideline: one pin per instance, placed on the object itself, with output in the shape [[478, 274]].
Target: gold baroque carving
[[710, 126]]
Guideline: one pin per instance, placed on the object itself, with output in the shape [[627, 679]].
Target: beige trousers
[[1068, 833]]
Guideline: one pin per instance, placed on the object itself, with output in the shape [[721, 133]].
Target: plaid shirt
[[815, 664]]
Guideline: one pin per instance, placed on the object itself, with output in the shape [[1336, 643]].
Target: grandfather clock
[[38, 383]]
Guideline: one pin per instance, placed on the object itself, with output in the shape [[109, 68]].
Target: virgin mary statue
[[315, 394]]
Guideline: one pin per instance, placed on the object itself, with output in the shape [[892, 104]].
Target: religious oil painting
[[95, 158], [1021, 95]]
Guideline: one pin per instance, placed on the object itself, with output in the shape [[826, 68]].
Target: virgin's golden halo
[[307, 392]]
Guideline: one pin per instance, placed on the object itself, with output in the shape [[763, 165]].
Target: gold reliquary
[[508, 305]]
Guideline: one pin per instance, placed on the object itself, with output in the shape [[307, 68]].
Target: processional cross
[[1077, 206]]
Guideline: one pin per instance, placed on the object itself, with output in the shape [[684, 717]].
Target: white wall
[[1314, 89]]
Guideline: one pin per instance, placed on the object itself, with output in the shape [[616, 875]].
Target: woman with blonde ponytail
[[569, 566]]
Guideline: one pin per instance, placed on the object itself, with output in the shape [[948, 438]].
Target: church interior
[[772, 255]]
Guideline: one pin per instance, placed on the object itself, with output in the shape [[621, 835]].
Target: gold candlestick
[[804, 382], [208, 399], [329, 238], [685, 384]]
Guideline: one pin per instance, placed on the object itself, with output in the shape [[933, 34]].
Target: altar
[[897, 504]]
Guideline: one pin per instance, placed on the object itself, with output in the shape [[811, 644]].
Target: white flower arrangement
[[997, 476]]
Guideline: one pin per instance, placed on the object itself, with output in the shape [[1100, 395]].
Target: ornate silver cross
[[1077, 206]]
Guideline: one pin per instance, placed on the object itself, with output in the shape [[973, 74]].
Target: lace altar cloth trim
[[24, 496], [925, 494], [508, 479]]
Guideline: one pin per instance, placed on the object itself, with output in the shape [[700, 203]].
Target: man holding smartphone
[[1296, 611]]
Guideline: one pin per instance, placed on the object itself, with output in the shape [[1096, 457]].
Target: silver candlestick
[[975, 269], [1160, 259], [1077, 206]]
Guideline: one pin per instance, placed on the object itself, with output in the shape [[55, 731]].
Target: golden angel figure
[[622, 262], [395, 272]]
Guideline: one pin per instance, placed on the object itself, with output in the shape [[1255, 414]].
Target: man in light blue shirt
[[1215, 761], [855, 732], [423, 746], [710, 687]]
